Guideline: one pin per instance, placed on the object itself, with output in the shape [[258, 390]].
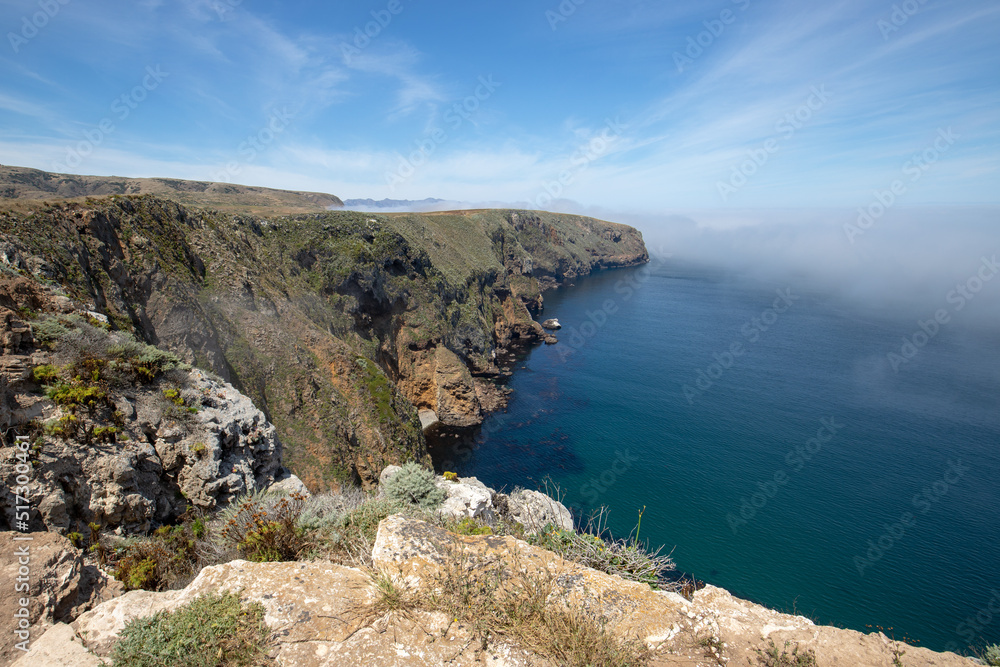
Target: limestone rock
[[674, 628], [534, 510], [165, 459], [60, 585], [468, 498], [289, 485], [552, 323], [59, 646], [316, 614]]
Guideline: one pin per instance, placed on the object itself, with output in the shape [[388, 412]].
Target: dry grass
[[497, 600]]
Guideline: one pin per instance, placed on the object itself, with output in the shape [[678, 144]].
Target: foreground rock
[[552, 323], [319, 614], [59, 586]]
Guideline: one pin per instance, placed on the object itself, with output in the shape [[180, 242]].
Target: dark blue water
[[805, 474]]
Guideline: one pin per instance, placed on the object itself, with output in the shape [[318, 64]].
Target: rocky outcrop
[[185, 439], [341, 326], [535, 510], [551, 323], [468, 498], [317, 611], [51, 576], [163, 461]]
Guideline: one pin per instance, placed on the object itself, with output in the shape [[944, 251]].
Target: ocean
[[815, 455]]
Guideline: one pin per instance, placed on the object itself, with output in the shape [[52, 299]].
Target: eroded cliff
[[341, 326]]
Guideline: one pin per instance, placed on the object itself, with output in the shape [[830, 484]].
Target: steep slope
[[339, 325], [24, 183]]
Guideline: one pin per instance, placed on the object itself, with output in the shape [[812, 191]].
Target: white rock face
[[468, 498], [289, 485], [534, 510], [166, 458]]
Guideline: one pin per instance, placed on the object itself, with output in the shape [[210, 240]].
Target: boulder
[[534, 510], [428, 420], [468, 498], [387, 473], [550, 340], [60, 586], [552, 323], [289, 485]]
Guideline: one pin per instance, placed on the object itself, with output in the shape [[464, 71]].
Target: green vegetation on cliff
[[339, 325]]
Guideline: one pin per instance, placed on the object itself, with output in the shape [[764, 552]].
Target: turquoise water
[[805, 473]]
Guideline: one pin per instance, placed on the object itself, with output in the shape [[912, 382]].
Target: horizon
[[726, 105]]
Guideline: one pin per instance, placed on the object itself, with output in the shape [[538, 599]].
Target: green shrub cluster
[[414, 485], [95, 353], [214, 630], [162, 560], [991, 656]]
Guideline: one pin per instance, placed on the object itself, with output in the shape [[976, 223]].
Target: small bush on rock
[[414, 485], [168, 558], [264, 528], [991, 656], [211, 631]]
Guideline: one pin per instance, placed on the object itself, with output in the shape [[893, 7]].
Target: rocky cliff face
[[127, 447], [340, 326]]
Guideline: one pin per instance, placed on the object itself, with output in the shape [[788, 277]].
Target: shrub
[[414, 485], [991, 656], [451, 476], [119, 351], [469, 526], [628, 560], [168, 557], [211, 631], [76, 394], [45, 374], [264, 529]]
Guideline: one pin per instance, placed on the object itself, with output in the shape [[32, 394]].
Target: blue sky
[[645, 106]]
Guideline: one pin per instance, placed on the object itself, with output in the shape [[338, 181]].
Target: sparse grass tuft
[[211, 631], [991, 655], [628, 560], [772, 656], [497, 598]]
